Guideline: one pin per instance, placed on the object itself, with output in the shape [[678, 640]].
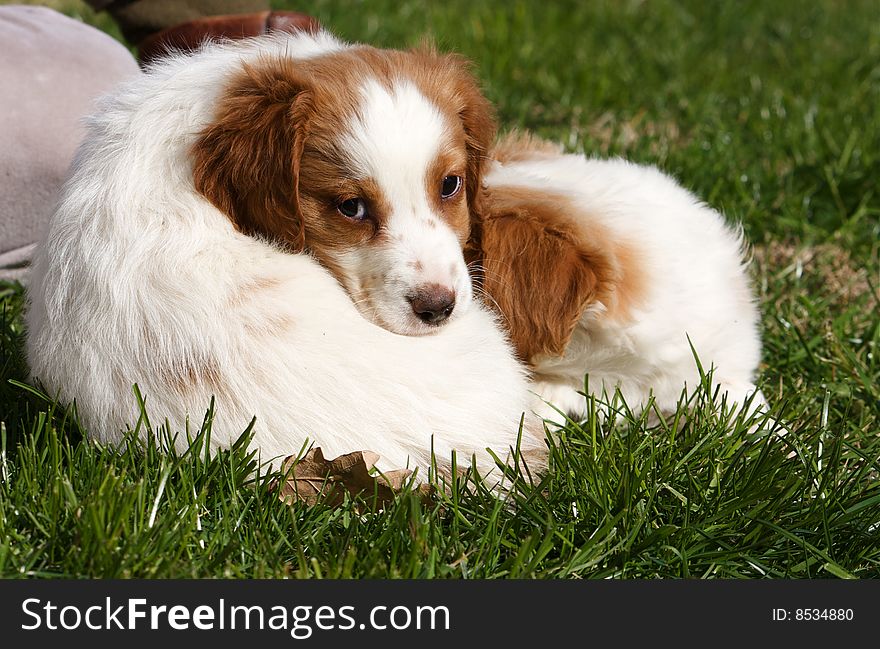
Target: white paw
[[556, 403]]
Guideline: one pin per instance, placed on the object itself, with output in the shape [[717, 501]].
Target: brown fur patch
[[245, 292], [188, 374], [542, 268], [273, 325], [630, 291], [185, 371]]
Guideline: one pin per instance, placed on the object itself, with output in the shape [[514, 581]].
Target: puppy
[[612, 270], [260, 222]]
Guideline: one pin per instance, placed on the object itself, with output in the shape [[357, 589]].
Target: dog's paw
[[557, 403]]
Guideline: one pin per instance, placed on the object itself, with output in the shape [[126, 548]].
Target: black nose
[[433, 303]]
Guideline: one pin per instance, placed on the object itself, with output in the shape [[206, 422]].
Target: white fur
[[695, 280], [394, 137], [139, 279]]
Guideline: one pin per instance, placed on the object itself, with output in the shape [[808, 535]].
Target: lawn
[[770, 111]]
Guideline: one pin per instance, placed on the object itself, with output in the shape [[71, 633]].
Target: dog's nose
[[432, 303]]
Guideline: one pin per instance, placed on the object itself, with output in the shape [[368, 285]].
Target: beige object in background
[[52, 68]]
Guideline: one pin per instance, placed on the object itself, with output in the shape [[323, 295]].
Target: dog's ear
[[538, 270], [478, 118], [246, 162]]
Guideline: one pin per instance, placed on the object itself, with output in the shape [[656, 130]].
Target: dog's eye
[[353, 208], [450, 187]]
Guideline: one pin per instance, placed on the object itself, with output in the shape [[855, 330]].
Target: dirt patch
[[826, 267], [827, 275], [610, 132]]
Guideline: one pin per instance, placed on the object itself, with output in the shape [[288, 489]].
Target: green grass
[[767, 110]]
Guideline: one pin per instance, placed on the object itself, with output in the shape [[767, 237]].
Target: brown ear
[[537, 269], [247, 161], [478, 118]]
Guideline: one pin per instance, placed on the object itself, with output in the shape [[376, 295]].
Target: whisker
[[485, 296], [481, 269], [497, 261]]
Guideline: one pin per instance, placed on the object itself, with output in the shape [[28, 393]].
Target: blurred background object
[[52, 68]]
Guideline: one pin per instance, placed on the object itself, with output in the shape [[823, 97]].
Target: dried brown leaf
[[313, 477]]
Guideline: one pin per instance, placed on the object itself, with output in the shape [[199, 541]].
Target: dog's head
[[368, 159]]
